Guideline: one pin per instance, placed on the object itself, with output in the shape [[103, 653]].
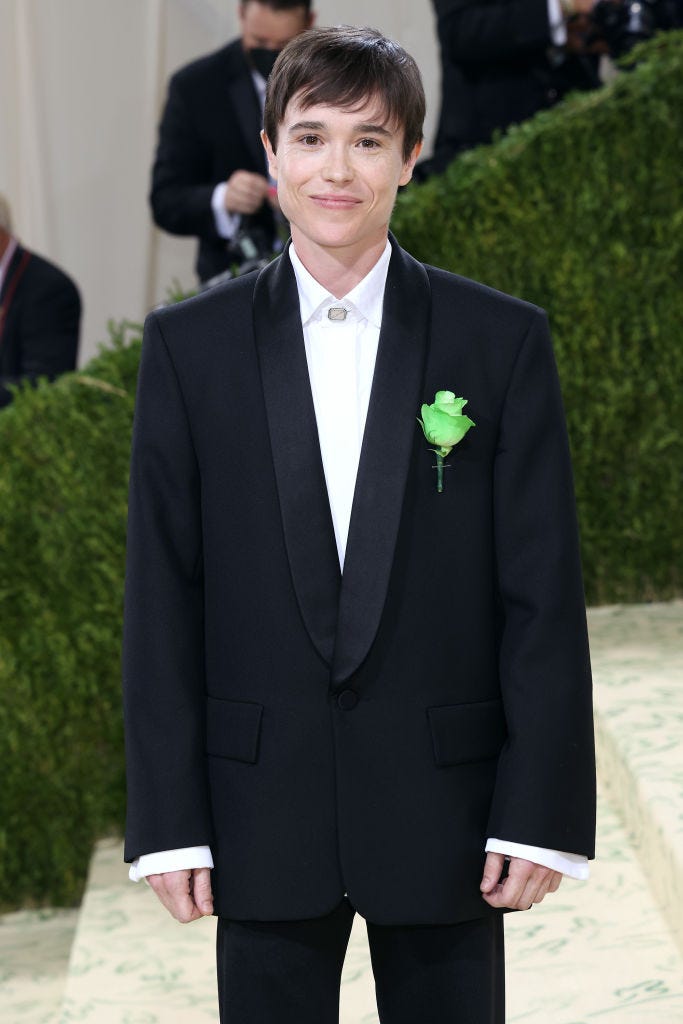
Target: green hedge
[[63, 478], [581, 211]]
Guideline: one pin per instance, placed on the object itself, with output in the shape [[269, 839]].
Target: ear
[[407, 172], [270, 155]]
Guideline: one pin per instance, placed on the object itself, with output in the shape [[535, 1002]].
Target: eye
[[369, 144], [309, 140]]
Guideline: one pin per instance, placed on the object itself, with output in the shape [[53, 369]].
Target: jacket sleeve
[[182, 180], [545, 787], [477, 31], [163, 649]]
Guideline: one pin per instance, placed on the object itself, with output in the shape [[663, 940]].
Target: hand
[[245, 192], [526, 883], [185, 894]]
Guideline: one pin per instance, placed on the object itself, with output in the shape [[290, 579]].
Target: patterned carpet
[[605, 950]]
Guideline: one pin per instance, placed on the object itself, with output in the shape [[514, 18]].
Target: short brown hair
[[345, 67]]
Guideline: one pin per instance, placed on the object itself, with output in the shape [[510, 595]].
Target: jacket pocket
[[233, 729], [467, 732]]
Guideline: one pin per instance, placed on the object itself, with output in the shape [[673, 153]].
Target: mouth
[[334, 201]]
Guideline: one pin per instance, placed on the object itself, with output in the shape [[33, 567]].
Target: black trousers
[[289, 972]]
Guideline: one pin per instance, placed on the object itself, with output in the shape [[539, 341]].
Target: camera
[[252, 251], [620, 25]]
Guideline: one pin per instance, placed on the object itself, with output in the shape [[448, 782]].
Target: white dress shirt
[[341, 358]]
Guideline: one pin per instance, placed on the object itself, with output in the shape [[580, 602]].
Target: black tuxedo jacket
[[210, 127], [362, 733], [40, 321]]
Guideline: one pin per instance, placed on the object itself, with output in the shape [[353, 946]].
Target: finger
[[243, 203], [173, 889], [511, 892], [247, 184], [536, 885], [245, 192], [201, 890], [550, 884], [527, 884], [555, 882], [493, 868], [237, 200]]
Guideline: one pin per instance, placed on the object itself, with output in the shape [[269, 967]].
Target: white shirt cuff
[[170, 860], [574, 865], [227, 224], [558, 30]]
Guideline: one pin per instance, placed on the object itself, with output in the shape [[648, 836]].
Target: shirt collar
[[366, 298]]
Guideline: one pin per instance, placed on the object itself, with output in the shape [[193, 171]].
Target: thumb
[[493, 868], [201, 890]]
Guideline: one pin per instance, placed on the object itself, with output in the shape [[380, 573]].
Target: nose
[[337, 167]]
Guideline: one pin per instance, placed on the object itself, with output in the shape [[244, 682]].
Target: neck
[[339, 269]]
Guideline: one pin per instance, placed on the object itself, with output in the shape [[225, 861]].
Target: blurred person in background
[[504, 60], [40, 314], [210, 177]]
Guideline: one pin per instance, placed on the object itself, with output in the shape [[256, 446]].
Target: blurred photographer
[[210, 177], [614, 27], [502, 60]]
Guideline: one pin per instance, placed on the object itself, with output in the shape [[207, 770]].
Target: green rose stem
[[444, 424], [439, 473]]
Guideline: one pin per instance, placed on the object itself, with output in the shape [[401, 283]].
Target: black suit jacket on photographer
[[40, 322], [496, 69], [209, 129]]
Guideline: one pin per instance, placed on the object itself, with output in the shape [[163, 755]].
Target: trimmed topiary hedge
[[63, 483], [581, 211]]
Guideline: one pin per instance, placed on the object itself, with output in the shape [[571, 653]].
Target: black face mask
[[262, 60]]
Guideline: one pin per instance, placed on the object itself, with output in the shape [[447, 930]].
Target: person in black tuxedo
[[40, 313], [209, 177], [345, 690], [501, 62]]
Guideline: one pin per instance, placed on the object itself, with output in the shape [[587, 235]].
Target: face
[[266, 29], [338, 172]]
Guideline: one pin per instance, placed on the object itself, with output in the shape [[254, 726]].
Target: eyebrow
[[316, 126]]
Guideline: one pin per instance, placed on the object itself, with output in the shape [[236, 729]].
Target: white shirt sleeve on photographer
[[227, 224], [558, 30]]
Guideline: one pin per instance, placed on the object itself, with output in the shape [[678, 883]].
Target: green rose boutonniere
[[444, 425]]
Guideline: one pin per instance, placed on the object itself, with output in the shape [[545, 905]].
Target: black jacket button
[[347, 700]]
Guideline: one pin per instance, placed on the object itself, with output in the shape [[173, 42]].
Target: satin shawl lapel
[[304, 505], [385, 459], [247, 110]]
